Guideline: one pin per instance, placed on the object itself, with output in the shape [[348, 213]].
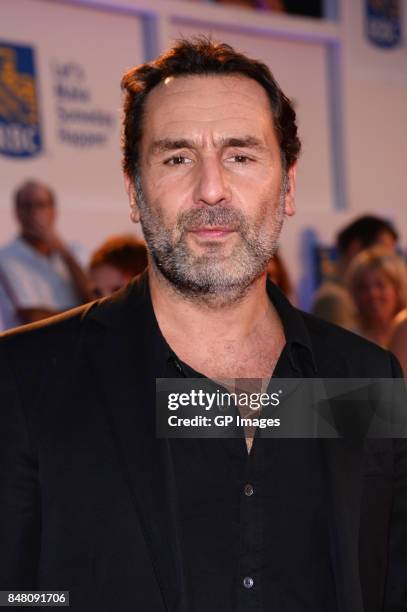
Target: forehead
[[105, 271], [35, 194], [376, 271], [385, 238], [200, 102]]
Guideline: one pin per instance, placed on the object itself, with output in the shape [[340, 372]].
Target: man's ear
[[134, 209], [289, 187]]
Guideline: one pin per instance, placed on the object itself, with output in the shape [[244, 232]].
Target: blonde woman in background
[[377, 281]]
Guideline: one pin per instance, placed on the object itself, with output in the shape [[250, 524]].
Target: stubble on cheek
[[220, 269]]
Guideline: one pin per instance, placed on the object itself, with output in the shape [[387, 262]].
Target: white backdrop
[[361, 163], [315, 187], [79, 53]]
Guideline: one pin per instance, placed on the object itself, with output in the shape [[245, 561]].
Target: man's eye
[[177, 160], [240, 159]]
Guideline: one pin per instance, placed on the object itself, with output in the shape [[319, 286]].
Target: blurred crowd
[[42, 275]]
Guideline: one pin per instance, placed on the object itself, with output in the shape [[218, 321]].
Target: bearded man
[[92, 501]]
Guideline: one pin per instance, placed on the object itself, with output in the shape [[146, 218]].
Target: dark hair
[[125, 253], [202, 56], [366, 230], [21, 195]]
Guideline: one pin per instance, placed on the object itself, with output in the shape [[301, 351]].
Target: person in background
[[398, 339], [39, 274], [365, 232], [114, 263], [277, 272], [377, 281], [332, 301]]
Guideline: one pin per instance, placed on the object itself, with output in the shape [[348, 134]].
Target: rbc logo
[[20, 134], [384, 22]]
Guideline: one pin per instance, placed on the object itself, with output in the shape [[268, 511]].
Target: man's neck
[[39, 245], [186, 315], [239, 339]]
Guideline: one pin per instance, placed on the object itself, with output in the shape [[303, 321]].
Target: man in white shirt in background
[[39, 274]]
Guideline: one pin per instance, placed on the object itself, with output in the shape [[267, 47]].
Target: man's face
[[105, 279], [213, 191], [376, 297], [386, 240], [36, 211]]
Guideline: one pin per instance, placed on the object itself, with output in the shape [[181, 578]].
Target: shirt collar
[[298, 339], [134, 301]]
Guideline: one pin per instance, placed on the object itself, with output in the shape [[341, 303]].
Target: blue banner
[[20, 130], [383, 22]]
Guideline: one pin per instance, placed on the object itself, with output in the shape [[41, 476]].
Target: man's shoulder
[[61, 333], [57, 347], [339, 352], [10, 249], [333, 302], [37, 340], [18, 256], [30, 353]]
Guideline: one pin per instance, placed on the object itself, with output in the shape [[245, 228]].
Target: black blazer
[[87, 495]]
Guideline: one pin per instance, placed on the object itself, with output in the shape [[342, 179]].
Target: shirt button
[[248, 582], [248, 490]]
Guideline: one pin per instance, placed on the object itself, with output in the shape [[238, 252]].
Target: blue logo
[[383, 22], [20, 134]]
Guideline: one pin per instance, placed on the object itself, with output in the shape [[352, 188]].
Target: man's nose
[[212, 185]]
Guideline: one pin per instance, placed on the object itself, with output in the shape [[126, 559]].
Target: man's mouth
[[212, 231]]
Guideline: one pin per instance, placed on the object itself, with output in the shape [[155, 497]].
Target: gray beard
[[211, 279]]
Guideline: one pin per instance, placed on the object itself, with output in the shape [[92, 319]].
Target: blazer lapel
[[124, 367], [344, 467]]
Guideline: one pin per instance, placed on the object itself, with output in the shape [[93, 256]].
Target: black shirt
[[254, 527]]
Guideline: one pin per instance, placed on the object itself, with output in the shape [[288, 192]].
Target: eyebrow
[[167, 144], [248, 142]]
